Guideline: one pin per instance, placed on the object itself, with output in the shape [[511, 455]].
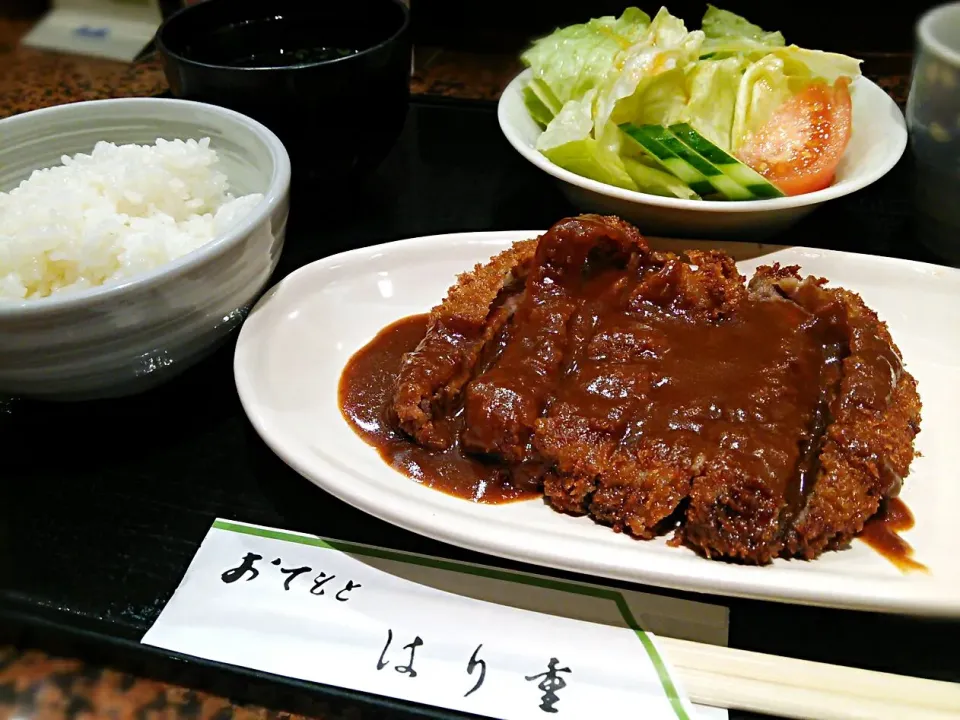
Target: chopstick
[[785, 687]]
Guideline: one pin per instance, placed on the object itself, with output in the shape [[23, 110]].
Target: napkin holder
[[114, 29]]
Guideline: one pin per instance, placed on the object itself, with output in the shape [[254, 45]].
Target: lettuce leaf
[[586, 157], [568, 142], [723, 26], [650, 84], [713, 88], [572, 60], [729, 34], [763, 87], [657, 100], [816, 64], [541, 106]]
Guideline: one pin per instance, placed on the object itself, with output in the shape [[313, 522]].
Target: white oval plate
[[298, 338], [877, 142]]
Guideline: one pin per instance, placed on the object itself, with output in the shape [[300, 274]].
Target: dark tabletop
[[106, 503]]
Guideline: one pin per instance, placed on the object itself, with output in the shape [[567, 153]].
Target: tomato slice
[[800, 146]]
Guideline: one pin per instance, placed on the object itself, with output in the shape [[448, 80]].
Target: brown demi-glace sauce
[[881, 533], [365, 395], [366, 391]]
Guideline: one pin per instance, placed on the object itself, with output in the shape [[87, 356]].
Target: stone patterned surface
[[35, 686], [31, 79]]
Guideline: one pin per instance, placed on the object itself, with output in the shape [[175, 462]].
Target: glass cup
[[933, 120]]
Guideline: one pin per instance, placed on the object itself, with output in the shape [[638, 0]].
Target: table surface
[[53, 683], [31, 79]]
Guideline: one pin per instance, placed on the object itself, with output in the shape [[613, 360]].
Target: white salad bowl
[[127, 337], [877, 142]]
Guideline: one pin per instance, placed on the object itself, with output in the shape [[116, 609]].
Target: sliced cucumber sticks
[[693, 159], [741, 173], [650, 138]]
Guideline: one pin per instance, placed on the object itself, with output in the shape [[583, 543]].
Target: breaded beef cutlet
[[652, 390], [503, 402], [475, 310]]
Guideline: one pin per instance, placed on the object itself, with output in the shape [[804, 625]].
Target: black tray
[[104, 504]]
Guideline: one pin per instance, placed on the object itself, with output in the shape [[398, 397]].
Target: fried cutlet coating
[[868, 447], [571, 380], [863, 454], [503, 403], [433, 375], [632, 486], [704, 284], [730, 511]]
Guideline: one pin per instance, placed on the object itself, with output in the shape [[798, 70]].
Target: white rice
[[113, 214]]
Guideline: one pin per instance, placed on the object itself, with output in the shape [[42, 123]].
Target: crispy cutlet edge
[[850, 485], [725, 526], [468, 300], [461, 316], [765, 279], [653, 491], [721, 280], [577, 451], [595, 480], [751, 509], [562, 256]]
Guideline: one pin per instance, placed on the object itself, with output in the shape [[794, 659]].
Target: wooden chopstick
[[785, 687]]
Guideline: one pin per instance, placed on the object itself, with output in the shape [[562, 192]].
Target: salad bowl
[[877, 142], [722, 131]]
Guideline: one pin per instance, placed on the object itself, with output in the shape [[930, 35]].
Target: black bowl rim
[[165, 49]]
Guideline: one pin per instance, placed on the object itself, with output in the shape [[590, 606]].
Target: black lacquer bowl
[[332, 79]]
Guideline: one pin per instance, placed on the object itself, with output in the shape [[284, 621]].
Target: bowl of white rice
[[134, 236]]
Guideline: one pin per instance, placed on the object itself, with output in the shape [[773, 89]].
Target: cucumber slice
[[658, 139], [722, 183], [646, 137], [742, 174]]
